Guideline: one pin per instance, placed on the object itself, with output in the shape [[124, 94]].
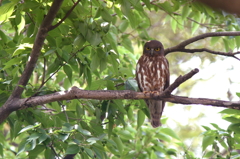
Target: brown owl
[[152, 75]]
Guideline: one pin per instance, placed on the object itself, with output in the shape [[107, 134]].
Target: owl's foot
[[151, 92], [155, 92], [145, 92]]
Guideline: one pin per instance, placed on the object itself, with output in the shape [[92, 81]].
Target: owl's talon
[[155, 92]]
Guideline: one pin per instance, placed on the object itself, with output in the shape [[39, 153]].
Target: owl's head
[[153, 48]]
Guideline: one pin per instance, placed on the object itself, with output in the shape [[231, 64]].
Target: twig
[[65, 17], [181, 47], [179, 81]]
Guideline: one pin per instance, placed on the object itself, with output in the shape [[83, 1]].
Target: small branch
[[179, 81], [181, 47], [229, 54], [65, 17]]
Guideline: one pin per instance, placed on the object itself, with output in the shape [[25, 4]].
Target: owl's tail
[[156, 110]]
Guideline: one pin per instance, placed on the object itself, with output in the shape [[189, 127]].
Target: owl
[[152, 75]]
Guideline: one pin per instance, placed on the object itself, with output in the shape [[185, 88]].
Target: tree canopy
[[67, 78]]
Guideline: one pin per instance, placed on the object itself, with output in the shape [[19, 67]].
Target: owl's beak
[[151, 52]]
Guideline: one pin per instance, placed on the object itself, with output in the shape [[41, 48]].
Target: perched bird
[[152, 75]]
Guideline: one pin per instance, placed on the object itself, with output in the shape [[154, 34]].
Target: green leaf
[[127, 43], [214, 40], [92, 140], [131, 84], [29, 127], [130, 114], [72, 149], [68, 70], [137, 5], [89, 152], [209, 154], [185, 11], [163, 137], [21, 146], [207, 140], [49, 154], [63, 136], [93, 38], [225, 41], [67, 127], [235, 156], [174, 25], [36, 151], [54, 66], [206, 128], [6, 11], [83, 131], [119, 143], [166, 6], [237, 40], [110, 125], [106, 15], [33, 136], [140, 118], [235, 127], [127, 11], [12, 62], [1, 150], [21, 25], [95, 62], [216, 126], [113, 60], [238, 94], [169, 132], [125, 134], [79, 41], [42, 137], [230, 111], [124, 25], [3, 36]]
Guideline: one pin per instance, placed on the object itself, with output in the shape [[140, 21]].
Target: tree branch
[[181, 47], [65, 17], [10, 105], [39, 41], [76, 93]]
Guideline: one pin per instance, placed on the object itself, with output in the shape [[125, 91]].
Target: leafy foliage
[[93, 49]]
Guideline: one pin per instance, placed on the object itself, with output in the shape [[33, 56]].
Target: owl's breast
[[151, 73]]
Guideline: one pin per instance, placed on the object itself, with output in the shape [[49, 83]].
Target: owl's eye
[[157, 49], [147, 48]]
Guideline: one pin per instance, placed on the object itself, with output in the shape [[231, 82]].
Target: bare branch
[[76, 93], [181, 47], [179, 81]]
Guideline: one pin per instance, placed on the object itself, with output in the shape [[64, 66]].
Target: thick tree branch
[[39, 41], [76, 93], [181, 47]]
